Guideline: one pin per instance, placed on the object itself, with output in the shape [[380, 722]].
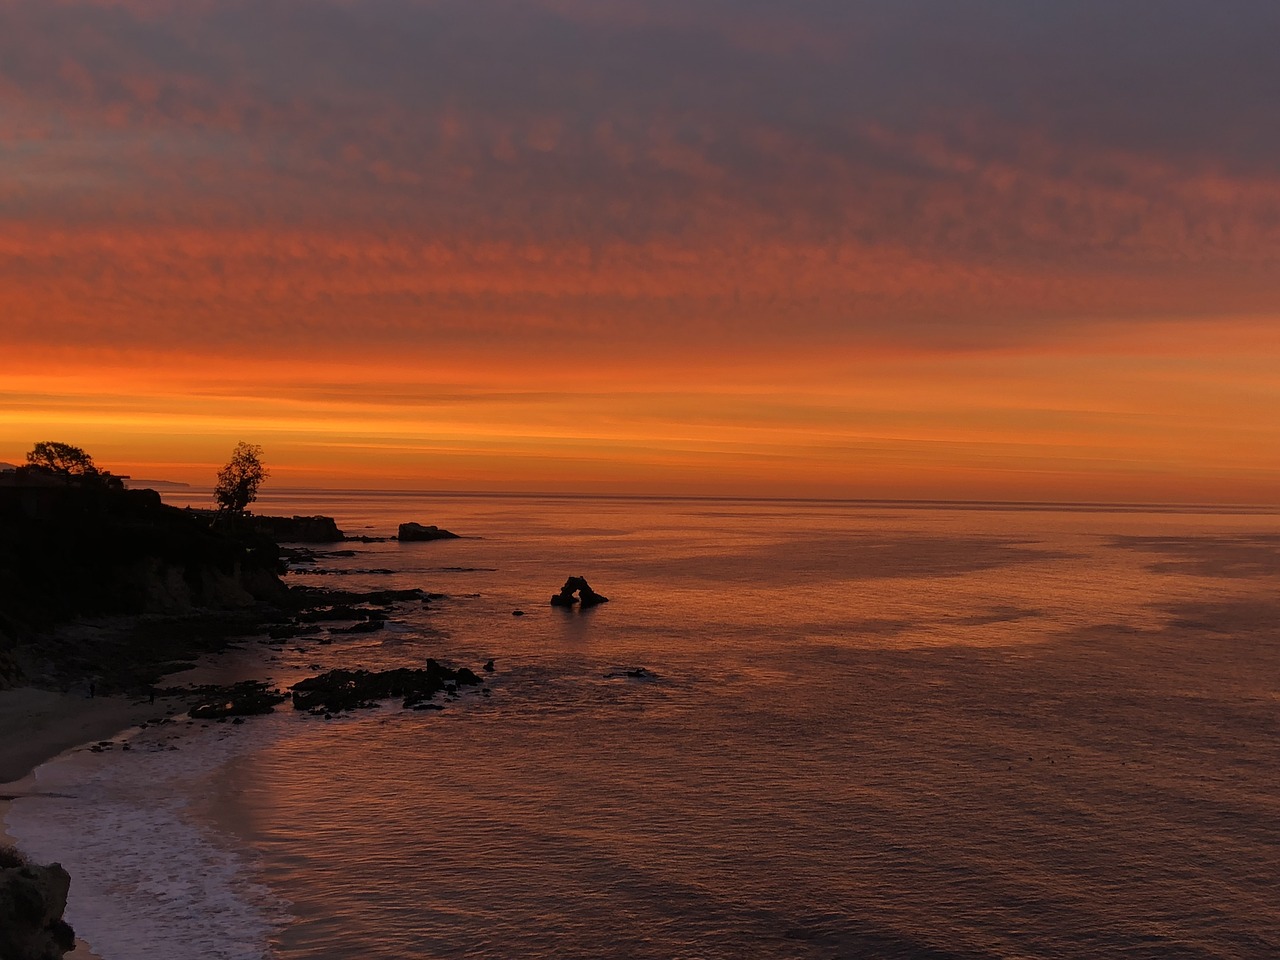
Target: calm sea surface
[[868, 731]]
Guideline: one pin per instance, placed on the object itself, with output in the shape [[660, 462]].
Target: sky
[[998, 249]]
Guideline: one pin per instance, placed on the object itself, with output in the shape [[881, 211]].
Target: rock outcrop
[[67, 552], [32, 900], [123, 558], [417, 531], [297, 529], [249, 698], [579, 586], [352, 689]]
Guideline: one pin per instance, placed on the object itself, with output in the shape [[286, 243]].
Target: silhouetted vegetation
[[61, 458], [239, 480], [50, 462]]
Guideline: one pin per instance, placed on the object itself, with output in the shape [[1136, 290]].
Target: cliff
[[74, 552]]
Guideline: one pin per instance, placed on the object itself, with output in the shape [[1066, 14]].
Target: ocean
[[925, 731]]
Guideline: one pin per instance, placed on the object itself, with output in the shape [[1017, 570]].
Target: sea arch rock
[[579, 586]]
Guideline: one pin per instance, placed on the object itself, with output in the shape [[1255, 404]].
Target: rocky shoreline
[[105, 592]]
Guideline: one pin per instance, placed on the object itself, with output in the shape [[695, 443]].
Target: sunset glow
[[730, 248]]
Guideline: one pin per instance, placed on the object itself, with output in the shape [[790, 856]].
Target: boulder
[[32, 900], [417, 531], [579, 586]]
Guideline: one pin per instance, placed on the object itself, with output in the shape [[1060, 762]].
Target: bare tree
[[239, 480]]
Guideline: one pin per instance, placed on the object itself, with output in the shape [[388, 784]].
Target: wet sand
[[40, 724]]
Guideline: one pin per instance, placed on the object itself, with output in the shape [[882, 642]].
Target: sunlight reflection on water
[[869, 733]]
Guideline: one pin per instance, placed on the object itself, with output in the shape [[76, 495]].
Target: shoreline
[[51, 724]]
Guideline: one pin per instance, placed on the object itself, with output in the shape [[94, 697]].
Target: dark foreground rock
[[32, 901], [579, 586], [353, 689], [73, 552], [417, 531]]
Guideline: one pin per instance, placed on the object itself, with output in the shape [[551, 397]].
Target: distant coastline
[[132, 484]]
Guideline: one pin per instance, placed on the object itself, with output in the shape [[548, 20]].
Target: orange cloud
[[841, 250]]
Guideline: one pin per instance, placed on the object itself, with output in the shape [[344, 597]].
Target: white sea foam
[[148, 879]]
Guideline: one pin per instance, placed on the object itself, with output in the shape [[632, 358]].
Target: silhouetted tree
[[61, 458], [239, 480]]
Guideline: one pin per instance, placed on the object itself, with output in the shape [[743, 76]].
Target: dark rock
[[292, 630], [634, 673], [354, 689], [368, 626], [517, 613], [343, 612], [67, 552], [297, 529], [488, 666], [417, 531], [247, 699], [32, 901], [579, 586]]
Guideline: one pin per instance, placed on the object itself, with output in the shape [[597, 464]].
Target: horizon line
[[732, 498]]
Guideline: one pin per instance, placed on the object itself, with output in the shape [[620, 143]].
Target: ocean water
[[866, 730]]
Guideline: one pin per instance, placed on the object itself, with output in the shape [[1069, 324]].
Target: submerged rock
[[578, 585], [633, 673], [417, 531], [365, 626], [32, 901]]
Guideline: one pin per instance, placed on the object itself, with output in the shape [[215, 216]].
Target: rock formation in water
[[578, 585], [417, 531], [353, 689], [297, 529], [32, 900], [249, 698]]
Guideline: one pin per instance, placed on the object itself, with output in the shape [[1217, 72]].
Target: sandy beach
[[40, 724]]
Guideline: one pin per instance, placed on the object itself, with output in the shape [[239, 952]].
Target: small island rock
[[578, 585], [417, 531]]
